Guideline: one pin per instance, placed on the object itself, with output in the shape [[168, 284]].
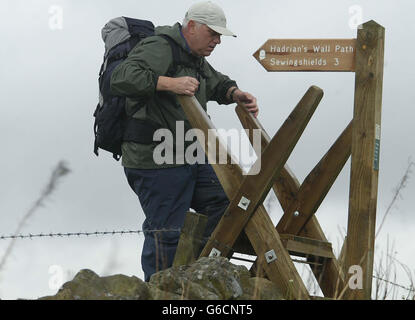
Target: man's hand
[[183, 85], [246, 100]]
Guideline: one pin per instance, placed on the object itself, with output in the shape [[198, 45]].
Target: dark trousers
[[166, 196]]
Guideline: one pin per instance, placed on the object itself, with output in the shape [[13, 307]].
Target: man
[[167, 191]]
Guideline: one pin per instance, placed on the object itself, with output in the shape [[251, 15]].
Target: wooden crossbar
[[316, 185], [303, 247]]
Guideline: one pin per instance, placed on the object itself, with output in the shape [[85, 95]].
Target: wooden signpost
[[364, 56], [246, 226]]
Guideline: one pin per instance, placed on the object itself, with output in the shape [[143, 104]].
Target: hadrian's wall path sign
[[307, 55]]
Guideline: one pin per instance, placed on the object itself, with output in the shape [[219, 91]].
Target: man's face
[[204, 40]]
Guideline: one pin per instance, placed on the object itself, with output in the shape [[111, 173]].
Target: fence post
[[191, 239], [365, 156]]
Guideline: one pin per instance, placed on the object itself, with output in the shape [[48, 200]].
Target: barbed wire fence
[[83, 234], [31, 236]]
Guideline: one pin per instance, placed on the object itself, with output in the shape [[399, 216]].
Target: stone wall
[[206, 279]]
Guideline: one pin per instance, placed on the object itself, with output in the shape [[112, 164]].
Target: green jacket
[[137, 77]]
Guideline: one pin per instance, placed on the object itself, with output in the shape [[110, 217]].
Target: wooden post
[[365, 156], [191, 239]]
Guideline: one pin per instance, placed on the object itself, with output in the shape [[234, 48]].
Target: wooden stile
[[259, 229]]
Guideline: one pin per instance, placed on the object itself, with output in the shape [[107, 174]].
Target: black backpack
[[112, 125]]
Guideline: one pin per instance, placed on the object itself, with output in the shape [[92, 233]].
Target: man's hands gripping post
[[244, 99], [188, 86]]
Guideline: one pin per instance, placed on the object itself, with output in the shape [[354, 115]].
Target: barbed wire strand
[[126, 232], [411, 289], [79, 234]]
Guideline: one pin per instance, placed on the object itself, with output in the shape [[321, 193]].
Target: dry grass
[[60, 171], [386, 268]]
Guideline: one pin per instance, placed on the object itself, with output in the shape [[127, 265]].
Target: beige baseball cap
[[211, 15]]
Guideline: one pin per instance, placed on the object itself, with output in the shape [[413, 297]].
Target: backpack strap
[[176, 54], [177, 58]]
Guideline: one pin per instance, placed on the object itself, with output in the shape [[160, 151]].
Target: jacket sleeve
[[219, 85], [137, 76]]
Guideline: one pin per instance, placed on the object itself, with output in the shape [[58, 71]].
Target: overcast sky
[[48, 85]]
